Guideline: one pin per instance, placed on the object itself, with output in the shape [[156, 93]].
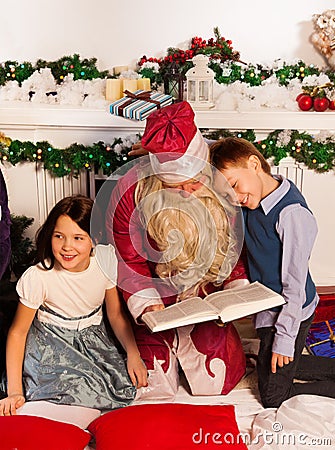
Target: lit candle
[[143, 83], [118, 69], [129, 85], [113, 89]]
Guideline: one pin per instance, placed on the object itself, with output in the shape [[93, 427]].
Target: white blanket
[[302, 422]]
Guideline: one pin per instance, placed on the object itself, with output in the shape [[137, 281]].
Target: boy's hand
[[279, 360], [9, 405]]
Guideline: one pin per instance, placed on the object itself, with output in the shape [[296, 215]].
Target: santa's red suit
[[210, 356]]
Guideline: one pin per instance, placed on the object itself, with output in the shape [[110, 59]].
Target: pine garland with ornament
[[84, 69], [224, 60], [218, 49], [71, 160], [317, 152], [226, 64]]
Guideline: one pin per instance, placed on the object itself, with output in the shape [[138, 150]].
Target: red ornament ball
[[332, 104], [305, 102], [321, 104], [299, 96]]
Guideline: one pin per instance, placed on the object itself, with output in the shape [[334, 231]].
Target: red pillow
[[38, 433], [168, 426]]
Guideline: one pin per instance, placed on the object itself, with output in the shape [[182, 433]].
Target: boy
[[280, 231]]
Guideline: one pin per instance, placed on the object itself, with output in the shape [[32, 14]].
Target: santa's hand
[[137, 150], [157, 307]]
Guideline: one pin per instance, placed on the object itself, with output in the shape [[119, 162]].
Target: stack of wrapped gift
[[321, 338], [139, 104]]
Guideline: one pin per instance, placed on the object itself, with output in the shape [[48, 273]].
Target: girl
[[58, 344]]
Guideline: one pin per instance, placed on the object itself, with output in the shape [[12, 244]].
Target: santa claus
[[175, 237]]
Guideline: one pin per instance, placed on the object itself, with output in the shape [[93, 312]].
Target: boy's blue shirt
[[296, 228]]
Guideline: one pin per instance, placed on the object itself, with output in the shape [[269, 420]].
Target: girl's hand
[[280, 361], [137, 371], [10, 404]]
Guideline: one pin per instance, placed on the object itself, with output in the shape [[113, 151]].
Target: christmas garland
[[224, 61], [226, 64], [317, 152], [70, 160], [81, 69]]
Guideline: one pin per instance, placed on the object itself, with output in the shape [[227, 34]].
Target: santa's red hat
[[176, 147]]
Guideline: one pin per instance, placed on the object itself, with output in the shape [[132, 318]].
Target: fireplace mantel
[[30, 116], [33, 191]]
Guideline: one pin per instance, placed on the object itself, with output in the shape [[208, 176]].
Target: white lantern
[[200, 80]]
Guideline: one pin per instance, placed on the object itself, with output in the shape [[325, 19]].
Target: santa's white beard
[[192, 234]]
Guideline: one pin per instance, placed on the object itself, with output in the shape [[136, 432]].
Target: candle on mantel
[[119, 69], [114, 88], [129, 85], [143, 83]]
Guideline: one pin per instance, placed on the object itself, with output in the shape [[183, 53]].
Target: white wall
[[119, 32]]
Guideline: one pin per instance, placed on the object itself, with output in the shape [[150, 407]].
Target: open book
[[223, 305]]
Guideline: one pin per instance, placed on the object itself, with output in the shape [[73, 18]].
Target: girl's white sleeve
[[31, 289], [107, 261]]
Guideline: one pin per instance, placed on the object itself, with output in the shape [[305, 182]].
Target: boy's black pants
[[277, 387]]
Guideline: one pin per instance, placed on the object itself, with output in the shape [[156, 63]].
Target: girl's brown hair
[[78, 208], [233, 151]]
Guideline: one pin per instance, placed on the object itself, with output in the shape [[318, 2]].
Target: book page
[[182, 313], [239, 302], [228, 305]]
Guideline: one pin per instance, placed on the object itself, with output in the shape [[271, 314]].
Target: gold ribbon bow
[[314, 91]]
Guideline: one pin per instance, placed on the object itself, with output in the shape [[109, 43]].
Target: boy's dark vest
[[264, 245]]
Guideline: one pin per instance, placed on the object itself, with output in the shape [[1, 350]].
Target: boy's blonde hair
[[233, 151]]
